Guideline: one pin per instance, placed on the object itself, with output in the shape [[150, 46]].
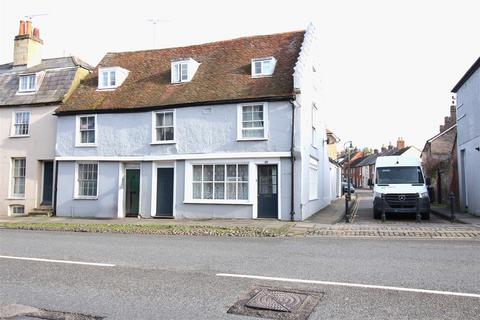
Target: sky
[[387, 66]]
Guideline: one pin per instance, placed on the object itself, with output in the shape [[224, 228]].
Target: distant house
[[468, 138], [31, 88], [230, 129], [332, 141], [438, 157], [363, 168]]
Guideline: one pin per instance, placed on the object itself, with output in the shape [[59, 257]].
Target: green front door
[[132, 192]]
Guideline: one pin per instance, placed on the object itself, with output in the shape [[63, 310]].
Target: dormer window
[[263, 67], [27, 83], [111, 78], [184, 70], [108, 79]]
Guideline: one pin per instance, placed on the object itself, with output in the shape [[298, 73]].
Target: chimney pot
[[21, 29], [36, 33], [29, 28]]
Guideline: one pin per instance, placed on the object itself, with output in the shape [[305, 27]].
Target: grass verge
[[151, 229]]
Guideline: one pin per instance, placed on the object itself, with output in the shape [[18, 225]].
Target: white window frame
[[78, 136], [14, 195], [24, 77], [313, 178], [240, 122], [77, 183], [271, 60], [177, 71], [155, 127], [188, 197], [314, 126], [108, 72], [14, 124], [12, 209]]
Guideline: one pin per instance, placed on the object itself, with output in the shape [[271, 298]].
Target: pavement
[[332, 214], [326, 223], [460, 217], [119, 276]]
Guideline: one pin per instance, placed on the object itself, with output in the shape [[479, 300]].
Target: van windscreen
[[399, 175]]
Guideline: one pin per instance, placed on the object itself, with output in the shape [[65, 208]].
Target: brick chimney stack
[[27, 49], [400, 143], [453, 113]]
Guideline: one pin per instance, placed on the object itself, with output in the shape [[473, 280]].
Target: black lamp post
[[347, 197]]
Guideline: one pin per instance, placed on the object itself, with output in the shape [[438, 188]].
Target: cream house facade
[[31, 88]]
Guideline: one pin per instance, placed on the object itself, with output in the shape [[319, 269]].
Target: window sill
[[25, 93], [164, 142], [107, 89], [20, 136], [240, 202], [16, 198], [252, 139], [86, 145], [262, 76], [85, 198]]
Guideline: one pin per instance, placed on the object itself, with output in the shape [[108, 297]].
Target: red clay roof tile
[[224, 75]]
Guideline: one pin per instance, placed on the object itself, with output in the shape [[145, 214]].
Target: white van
[[401, 181]]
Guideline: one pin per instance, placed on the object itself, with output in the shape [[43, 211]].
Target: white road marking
[[356, 285], [59, 261]]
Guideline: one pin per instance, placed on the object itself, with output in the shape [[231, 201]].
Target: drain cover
[[285, 301], [277, 303]]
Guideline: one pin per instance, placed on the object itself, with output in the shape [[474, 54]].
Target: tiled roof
[[59, 74], [224, 75]]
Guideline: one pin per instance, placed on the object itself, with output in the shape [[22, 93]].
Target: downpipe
[[292, 162]]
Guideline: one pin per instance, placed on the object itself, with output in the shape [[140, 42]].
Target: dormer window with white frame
[[183, 70], [27, 83], [263, 67], [111, 78]]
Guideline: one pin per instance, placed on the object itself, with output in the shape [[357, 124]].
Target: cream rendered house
[[31, 88]]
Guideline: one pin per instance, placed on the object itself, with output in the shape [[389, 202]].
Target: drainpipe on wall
[[292, 161], [55, 189]]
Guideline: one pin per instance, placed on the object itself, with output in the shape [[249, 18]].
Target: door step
[[41, 211]]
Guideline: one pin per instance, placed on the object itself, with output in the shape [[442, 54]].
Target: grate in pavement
[[277, 303]]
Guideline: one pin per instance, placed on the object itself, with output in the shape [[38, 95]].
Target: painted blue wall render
[[106, 204], [468, 139], [198, 130]]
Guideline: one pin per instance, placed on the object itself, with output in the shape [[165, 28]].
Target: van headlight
[[424, 195], [377, 194]]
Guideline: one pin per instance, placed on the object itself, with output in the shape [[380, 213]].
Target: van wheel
[[377, 215], [426, 216]]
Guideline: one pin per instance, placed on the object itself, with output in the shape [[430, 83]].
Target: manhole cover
[[277, 303]]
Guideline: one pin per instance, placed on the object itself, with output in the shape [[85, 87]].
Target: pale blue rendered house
[[216, 130]]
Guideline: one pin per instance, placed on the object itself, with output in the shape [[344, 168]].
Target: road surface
[[149, 277]]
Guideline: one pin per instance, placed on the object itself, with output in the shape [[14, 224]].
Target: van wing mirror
[[428, 181]]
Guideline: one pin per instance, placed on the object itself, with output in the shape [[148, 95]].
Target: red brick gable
[[224, 75]]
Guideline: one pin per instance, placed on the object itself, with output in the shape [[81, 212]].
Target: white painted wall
[[307, 83]]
